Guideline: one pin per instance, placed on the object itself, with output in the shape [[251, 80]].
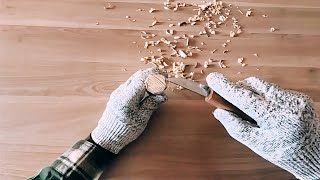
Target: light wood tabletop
[[61, 59]]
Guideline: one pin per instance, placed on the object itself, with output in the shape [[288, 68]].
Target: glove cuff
[[306, 165], [112, 135]]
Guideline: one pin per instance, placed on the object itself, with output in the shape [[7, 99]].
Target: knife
[[211, 97]]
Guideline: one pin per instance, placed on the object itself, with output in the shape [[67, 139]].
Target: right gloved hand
[[289, 128]]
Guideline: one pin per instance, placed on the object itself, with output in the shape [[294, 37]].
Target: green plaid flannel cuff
[[81, 162]]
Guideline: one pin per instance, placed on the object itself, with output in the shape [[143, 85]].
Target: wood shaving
[[205, 64], [272, 29], [189, 53], [146, 45], [202, 43], [171, 25], [240, 60], [124, 69], [108, 6], [248, 13], [224, 44], [201, 72], [152, 10], [97, 23], [195, 65], [239, 31], [210, 60], [256, 54], [240, 11], [182, 23], [179, 87], [258, 69], [243, 64], [128, 17], [193, 23], [170, 31], [140, 10], [264, 16], [213, 51], [221, 64], [187, 42], [154, 22], [232, 33], [228, 40], [208, 33], [182, 54]]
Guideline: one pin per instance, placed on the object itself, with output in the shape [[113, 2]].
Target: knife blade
[[211, 97], [191, 85]]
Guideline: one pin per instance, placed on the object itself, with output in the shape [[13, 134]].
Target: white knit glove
[[289, 128], [127, 113]]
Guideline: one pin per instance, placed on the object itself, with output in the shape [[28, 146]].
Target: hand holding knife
[[157, 83]]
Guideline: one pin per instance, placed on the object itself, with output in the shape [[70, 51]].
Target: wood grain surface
[[58, 68]]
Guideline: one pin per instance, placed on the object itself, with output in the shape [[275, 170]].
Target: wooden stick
[[156, 84]]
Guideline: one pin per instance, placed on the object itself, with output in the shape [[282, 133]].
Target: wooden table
[[58, 67]]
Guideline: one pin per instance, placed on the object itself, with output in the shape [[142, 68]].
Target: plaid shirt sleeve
[[84, 161]]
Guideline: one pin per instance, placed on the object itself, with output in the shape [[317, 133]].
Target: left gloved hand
[[127, 113]]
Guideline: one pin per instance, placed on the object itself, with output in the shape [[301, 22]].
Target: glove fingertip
[[221, 114]]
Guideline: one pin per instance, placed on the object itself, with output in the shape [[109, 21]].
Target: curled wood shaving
[[182, 23], [169, 31], [146, 45], [201, 71], [147, 35], [182, 54], [221, 64], [189, 53], [272, 29], [248, 13], [239, 31], [208, 33], [232, 33], [225, 51], [240, 60], [154, 22], [195, 65], [152, 10], [109, 6], [206, 64]]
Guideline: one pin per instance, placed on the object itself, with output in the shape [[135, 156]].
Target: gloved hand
[[289, 128], [127, 113]]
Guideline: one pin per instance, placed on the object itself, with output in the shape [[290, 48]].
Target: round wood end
[[156, 84]]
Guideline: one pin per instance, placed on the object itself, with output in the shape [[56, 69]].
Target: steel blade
[[191, 85]]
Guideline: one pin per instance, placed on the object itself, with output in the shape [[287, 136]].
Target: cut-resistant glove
[[127, 113], [288, 128]]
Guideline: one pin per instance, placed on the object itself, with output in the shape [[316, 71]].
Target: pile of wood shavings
[[213, 14]]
